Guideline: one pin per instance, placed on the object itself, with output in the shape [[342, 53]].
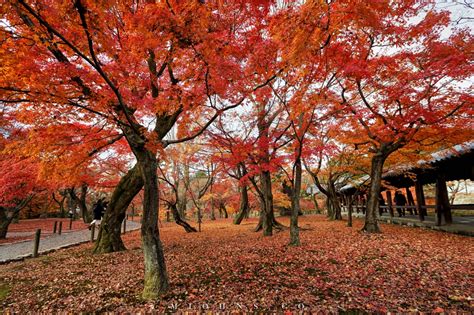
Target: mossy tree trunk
[[295, 204], [378, 159], [109, 238], [268, 215], [333, 201], [156, 276], [244, 205]]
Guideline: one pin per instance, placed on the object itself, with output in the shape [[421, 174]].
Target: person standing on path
[[400, 201], [98, 211]]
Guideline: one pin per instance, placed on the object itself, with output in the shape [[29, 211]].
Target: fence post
[[60, 227], [70, 224], [55, 227], [92, 232], [36, 243], [124, 226]]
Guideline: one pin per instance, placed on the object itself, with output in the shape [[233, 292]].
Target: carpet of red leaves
[[46, 226], [336, 269]]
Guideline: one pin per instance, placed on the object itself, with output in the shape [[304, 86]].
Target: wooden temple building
[[456, 163]]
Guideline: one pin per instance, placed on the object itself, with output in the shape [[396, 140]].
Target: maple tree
[[18, 182], [172, 196], [231, 156], [249, 151]]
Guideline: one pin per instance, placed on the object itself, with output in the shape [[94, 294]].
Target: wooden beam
[[389, 203]]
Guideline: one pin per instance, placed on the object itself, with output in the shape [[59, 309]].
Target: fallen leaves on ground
[[230, 267]]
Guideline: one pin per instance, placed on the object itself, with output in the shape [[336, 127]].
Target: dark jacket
[[400, 199], [98, 211]]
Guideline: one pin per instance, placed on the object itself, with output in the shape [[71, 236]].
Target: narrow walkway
[[461, 225], [21, 250]]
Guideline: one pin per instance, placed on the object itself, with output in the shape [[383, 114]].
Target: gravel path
[[21, 250]]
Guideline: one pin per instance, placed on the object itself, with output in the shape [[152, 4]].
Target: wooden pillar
[[410, 201], [349, 210], [389, 203], [420, 200], [357, 203], [364, 203], [443, 209], [381, 203]]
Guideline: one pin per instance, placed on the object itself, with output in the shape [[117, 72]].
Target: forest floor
[[232, 268]]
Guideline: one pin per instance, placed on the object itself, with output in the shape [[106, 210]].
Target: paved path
[[461, 225], [21, 250]]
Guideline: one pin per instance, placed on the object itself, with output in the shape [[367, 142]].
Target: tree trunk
[[177, 218], [295, 205], [371, 225], [333, 202], [60, 202], [6, 217], [71, 204], [109, 239], [156, 276], [316, 206], [183, 199], [265, 216], [244, 205], [86, 215], [223, 210], [81, 202], [275, 223], [268, 216], [213, 214], [329, 209]]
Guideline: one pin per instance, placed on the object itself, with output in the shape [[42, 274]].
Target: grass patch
[[4, 291]]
